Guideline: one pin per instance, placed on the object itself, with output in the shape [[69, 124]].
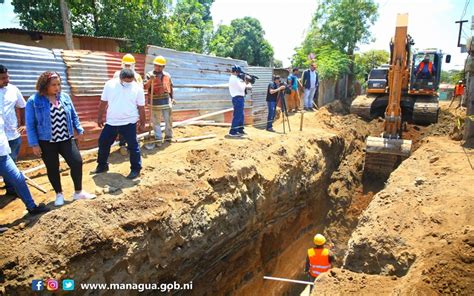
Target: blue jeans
[[12, 175], [238, 116], [107, 138], [15, 148], [271, 113]]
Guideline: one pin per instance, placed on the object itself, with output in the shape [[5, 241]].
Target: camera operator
[[237, 87], [273, 91]]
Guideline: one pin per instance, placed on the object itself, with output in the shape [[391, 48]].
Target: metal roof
[[25, 31], [26, 63]]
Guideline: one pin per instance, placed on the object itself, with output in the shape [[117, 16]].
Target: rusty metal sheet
[[200, 81]]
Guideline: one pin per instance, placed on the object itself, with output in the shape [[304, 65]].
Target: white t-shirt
[[312, 79], [236, 86], [12, 98], [4, 147], [122, 102]]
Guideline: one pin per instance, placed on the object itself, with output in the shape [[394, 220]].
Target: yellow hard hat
[[128, 59], [159, 60], [319, 239]]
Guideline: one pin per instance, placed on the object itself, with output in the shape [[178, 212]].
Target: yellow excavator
[[395, 88]]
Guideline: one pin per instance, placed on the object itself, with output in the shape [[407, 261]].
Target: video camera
[[247, 77], [244, 76]]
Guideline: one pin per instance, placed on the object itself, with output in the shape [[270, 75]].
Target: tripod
[[284, 110]]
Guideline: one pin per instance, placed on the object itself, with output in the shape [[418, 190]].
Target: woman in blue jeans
[[50, 123]]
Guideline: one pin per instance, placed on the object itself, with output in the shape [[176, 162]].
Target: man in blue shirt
[[293, 97]]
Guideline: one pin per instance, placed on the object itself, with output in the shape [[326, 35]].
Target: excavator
[[400, 94]]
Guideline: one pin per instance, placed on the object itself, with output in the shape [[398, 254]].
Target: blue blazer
[[38, 118], [307, 81]]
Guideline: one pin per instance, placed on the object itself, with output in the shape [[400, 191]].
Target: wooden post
[[301, 121]]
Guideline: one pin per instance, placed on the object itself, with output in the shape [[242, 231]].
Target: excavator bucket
[[382, 156]]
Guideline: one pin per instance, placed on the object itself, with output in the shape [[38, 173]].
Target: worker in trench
[[319, 259]]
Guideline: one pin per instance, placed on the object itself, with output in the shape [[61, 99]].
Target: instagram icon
[[52, 285]]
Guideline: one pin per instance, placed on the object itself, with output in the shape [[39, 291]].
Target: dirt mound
[[418, 231], [220, 210]]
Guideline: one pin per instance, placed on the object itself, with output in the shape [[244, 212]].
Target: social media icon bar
[[37, 285], [52, 285], [68, 285]]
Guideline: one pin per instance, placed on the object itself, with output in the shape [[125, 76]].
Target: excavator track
[[362, 105], [426, 110], [383, 155]]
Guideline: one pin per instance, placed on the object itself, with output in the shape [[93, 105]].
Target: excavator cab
[[425, 72]]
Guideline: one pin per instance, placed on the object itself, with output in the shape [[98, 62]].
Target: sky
[[285, 22]]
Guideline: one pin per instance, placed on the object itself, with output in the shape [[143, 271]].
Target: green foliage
[[242, 39], [277, 63], [369, 60], [344, 23], [181, 24], [190, 26], [452, 76], [337, 27]]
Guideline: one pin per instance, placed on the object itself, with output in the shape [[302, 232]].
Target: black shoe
[[99, 170], [270, 130], [41, 208], [133, 175], [11, 194], [242, 133]]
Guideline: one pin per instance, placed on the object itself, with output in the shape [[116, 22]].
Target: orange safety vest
[[459, 90], [421, 66], [161, 91], [318, 261]]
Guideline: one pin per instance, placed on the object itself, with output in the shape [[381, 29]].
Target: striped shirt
[[59, 127]]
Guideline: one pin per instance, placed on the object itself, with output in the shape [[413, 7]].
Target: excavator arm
[[384, 154]]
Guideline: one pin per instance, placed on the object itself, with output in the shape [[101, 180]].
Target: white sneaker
[[59, 200], [83, 195]]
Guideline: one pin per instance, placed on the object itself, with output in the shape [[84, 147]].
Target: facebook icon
[[37, 285]]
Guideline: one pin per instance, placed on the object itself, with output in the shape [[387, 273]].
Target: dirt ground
[[414, 236]]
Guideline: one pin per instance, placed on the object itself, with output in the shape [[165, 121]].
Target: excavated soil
[[218, 211], [223, 213], [417, 235]]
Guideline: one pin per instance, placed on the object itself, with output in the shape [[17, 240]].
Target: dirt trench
[[220, 214]]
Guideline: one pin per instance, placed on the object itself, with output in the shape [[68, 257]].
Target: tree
[[336, 29], [452, 76], [243, 39], [369, 60], [190, 25], [156, 22]]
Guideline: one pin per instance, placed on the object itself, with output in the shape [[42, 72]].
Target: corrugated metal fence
[[200, 82], [259, 94]]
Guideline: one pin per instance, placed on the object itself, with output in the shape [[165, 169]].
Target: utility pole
[[469, 70], [66, 24]]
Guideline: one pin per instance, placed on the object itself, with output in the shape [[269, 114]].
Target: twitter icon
[[68, 285]]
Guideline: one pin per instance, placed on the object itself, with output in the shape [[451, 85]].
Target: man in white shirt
[[12, 99], [237, 91], [8, 170], [124, 100]]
